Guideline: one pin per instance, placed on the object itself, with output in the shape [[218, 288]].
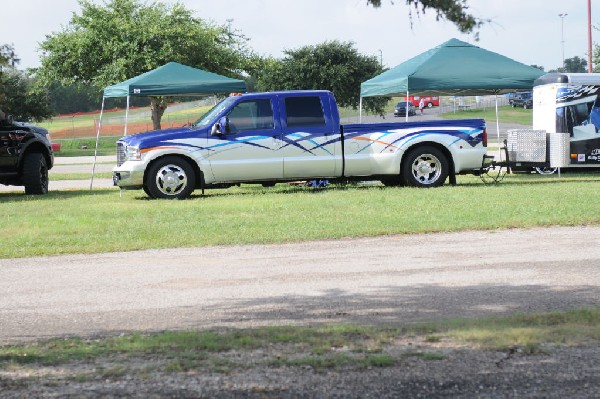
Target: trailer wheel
[[170, 178], [546, 170], [425, 167], [35, 173]]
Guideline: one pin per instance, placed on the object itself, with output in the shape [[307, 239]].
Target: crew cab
[[273, 137]]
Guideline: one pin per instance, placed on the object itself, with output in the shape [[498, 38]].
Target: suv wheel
[[35, 173]]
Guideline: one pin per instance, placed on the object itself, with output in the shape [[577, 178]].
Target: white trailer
[[570, 103]]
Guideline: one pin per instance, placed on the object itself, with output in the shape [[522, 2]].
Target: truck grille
[[120, 153]]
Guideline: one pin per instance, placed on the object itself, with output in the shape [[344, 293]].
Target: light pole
[[589, 12], [562, 36]]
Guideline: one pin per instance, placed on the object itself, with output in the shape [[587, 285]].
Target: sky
[[528, 31]]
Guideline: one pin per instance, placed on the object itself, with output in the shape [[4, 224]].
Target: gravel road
[[390, 279], [384, 280]]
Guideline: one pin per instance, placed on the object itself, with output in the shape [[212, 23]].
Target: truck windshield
[[211, 115]]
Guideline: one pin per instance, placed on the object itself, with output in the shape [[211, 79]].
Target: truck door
[[310, 137], [249, 148]]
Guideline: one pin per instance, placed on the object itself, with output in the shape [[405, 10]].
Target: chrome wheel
[[171, 178], [425, 167]]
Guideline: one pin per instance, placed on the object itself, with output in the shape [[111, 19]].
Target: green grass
[[506, 114], [332, 346], [82, 221], [80, 176], [86, 146]]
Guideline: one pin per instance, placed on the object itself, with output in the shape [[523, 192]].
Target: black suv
[[524, 100], [400, 109], [25, 155]]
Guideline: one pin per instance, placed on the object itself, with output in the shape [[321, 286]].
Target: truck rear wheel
[[35, 173], [170, 178], [425, 167]]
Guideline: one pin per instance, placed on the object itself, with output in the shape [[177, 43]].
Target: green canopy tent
[[454, 68], [172, 79]]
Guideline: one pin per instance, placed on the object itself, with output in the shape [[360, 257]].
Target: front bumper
[[129, 175]]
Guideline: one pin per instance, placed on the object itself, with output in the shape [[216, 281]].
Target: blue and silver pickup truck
[[273, 137]]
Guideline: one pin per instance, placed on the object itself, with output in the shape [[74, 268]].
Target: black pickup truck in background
[[523, 100], [25, 155]]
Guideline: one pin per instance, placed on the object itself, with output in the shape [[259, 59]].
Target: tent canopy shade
[[454, 68], [175, 79]]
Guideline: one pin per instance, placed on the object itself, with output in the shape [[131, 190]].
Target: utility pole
[[562, 35]]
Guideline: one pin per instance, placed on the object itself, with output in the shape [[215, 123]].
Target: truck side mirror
[[216, 130], [221, 127]]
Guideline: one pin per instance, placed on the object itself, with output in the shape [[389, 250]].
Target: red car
[[428, 101]]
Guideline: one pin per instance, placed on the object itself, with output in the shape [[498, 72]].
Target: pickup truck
[[266, 138], [26, 155]]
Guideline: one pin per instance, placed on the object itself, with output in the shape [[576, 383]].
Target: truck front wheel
[[170, 178], [35, 173], [425, 167]]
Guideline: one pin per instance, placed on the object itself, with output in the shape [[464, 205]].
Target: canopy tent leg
[[126, 118], [97, 140], [406, 112], [498, 128], [360, 110]]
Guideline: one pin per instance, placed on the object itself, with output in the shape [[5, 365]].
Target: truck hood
[[151, 139], [31, 128]]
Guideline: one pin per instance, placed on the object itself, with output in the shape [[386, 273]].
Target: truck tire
[[425, 166], [429, 104], [170, 178], [35, 173]]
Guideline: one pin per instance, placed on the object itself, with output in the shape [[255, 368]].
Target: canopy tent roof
[[453, 68], [175, 79]]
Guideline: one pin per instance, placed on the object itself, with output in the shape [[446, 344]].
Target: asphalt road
[[392, 279]]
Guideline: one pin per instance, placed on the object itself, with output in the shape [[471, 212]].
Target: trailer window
[[304, 111]]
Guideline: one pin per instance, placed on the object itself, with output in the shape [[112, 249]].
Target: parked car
[[524, 100], [400, 109], [429, 101]]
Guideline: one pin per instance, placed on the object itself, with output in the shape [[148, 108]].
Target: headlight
[[133, 153]]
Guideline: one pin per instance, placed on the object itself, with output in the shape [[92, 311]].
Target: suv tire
[[35, 173]]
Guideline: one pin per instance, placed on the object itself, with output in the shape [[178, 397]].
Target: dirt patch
[[420, 369]]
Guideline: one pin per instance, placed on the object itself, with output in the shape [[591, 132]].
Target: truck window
[[304, 111], [251, 115]]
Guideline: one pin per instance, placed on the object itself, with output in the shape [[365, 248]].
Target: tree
[[8, 56], [106, 44], [335, 66], [455, 11], [572, 65], [541, 68], [23, 98], [575, 64], [20, 96]]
